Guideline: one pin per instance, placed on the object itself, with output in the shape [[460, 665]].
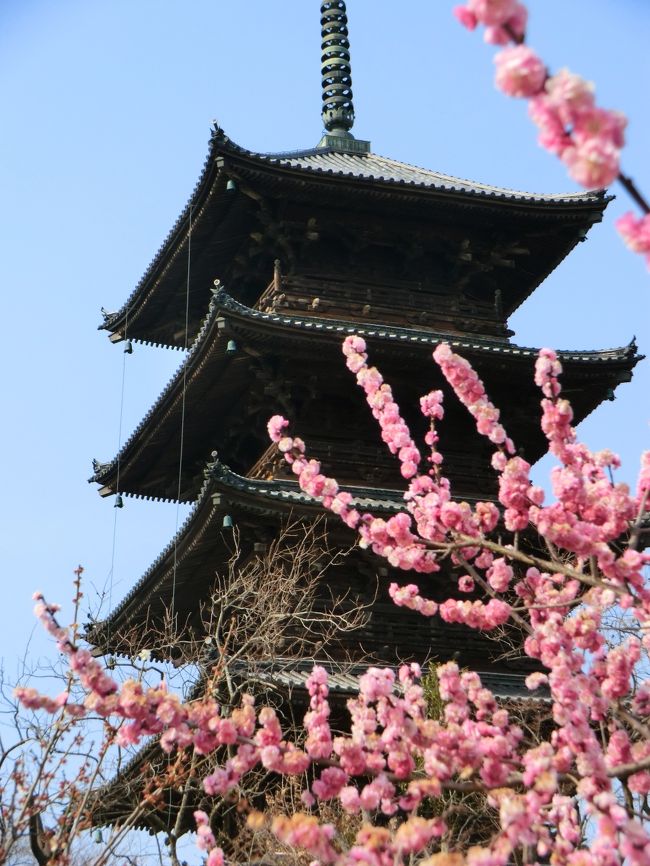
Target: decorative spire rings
[[338, 109]]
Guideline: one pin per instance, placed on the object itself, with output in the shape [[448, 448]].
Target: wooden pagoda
[[291, 252]]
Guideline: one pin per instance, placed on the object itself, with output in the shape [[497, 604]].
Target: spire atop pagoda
[[336, 74], [338, 108]]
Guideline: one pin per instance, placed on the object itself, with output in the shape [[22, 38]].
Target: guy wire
[[119, 460], [182, 441]]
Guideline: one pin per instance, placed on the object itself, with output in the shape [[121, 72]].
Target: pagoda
[[290, 253]]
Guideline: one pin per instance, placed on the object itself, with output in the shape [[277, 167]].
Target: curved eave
[[164, 568], [550, 224], [325, 329], [223, 491], [210, 204], [604, 369], [183, 560], [185, 374], [290, 676], [154, 313], [259, 496], [366, 168]]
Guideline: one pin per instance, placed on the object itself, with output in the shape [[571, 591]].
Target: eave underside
[[222, 221], [226, 398], [177, 586]]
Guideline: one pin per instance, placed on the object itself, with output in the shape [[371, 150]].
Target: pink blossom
[[470, 391], [643, 482], [636, 233], [476, 614], [504, 20], [516, 493], [350, 800], [619, 667], [492, 12], [32, 699], [330, 783], [275, 427], [547, 370], [376, 683], [570, 95], [513, 29], [465, 583], [465, 16], [544, 114], [586, 137], [593, 162], [499, 575], [416, 833], [304, 831], [520, 72], [534, 681], [600, 123], [215, 858], [409, 596], [218, 782], [204, 837]]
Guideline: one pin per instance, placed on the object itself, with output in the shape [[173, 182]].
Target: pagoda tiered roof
[[358, 243], [491, 237], [185, 572], [187, 565], [213, 380]]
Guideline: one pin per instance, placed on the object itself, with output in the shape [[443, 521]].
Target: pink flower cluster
[[504, 20], [395, 757], [587, 138], [471, 393], [89, 671], [585, 525], [310, 478], [205, 840], [636, 233], [394, 431], [591, 511], [476, 614], [589, 514], [428, 497], [520, 72]]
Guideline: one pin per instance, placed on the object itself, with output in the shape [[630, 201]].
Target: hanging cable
[[118, 495], [182, 440]]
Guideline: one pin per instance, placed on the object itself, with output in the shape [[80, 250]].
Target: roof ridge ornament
[[336, 75]]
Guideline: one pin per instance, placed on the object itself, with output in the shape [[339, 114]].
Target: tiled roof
[[414, 335], [384, 170], [379, 500], [365, 498], [374, 499], [101, 470], [290, 674], [370, 169], [222, 301]]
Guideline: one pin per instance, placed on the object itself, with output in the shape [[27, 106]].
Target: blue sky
[[106, 109]]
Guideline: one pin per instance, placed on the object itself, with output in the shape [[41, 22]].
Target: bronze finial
[[338, 109]]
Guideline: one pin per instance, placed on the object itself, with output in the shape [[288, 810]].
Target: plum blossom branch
[[586, 138], [565, 597], [398, 760]]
